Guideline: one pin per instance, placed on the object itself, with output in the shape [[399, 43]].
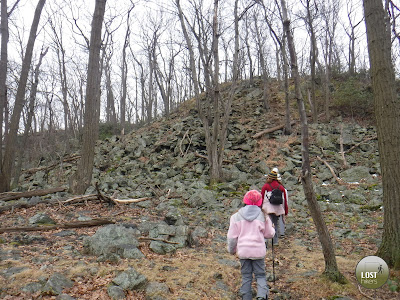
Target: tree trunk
[[11, 137], [331, 268], [83, 176], [387, 112], [32, 98], [3, 72], [313, 57]]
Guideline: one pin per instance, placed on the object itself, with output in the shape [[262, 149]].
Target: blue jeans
[[248, 268]]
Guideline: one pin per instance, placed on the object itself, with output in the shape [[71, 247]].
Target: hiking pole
[[273, 261]]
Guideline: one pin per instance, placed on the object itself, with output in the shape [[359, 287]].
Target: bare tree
[[111, 116], [214, 111], [124, 68], [83, 175], [351, 32], [330, 14], [310, 22], [11, 137], [3, 71], [281, 41], [387, 112], [260, 39], [331, 268], [62, 72], [28, 124]]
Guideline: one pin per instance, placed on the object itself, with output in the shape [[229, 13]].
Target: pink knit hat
[[253, 197]]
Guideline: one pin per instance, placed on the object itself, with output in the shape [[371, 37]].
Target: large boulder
[[113, 239]]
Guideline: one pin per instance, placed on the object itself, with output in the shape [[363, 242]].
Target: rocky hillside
[[172, 244]]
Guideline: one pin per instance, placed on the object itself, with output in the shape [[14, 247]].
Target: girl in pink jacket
[[247, 230]]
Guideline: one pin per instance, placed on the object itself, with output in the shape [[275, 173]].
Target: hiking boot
[[261, 298]]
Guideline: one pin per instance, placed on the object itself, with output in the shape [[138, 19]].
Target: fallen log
[[27, 205], [78, 224], [29, 194], [270, 130]]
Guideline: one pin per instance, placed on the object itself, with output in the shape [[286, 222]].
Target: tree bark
[[83, 176], [3, 72], [331, 268], [11, 137], [387, 113]]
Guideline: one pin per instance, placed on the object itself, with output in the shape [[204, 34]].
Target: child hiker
[[271, 208], [247, 230]]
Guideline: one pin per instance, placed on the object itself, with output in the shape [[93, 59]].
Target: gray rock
[[161, 247], [7, 273], [110, 239], [32, 287], [116, 292], [56, 283], [356, 174], [41, 218], [156, 289], [202, 198], [130, 280]]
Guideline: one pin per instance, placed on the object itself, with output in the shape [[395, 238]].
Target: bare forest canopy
[[145, 59]]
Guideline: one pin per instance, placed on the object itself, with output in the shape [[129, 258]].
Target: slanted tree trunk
[[331, 268], [11, 137], [387, 112], [83, 176]]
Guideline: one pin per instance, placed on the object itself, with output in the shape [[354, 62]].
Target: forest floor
[[190, 273]]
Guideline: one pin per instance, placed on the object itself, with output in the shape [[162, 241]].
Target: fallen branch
[[78, 224], [270, 130], [359, 288], [362, 142], [26, 205], [81, 198], [338, 180], [143, 238], [130, 200], [48, 168], [29, 194]]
